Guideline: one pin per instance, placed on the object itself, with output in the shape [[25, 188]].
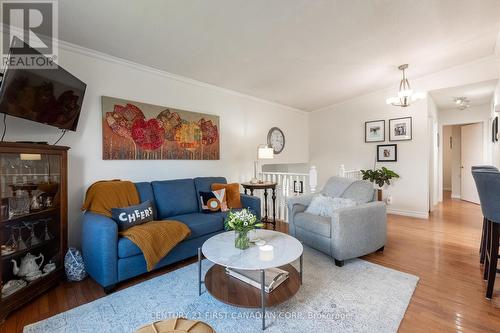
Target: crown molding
[[70, 47]]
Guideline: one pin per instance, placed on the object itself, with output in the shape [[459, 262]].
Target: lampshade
[[265, 152]]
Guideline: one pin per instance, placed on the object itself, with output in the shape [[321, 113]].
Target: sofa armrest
[[359, 230], [251, 202], [100, 248]]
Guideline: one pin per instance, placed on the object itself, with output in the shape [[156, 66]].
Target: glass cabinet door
[[29, 219]]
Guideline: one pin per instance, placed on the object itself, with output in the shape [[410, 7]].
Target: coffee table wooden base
[[232, 291]]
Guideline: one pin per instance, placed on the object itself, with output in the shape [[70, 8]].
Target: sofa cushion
[[201, 224], [361, 191], [145, 191], [204, 184], [320, 225], [126, 248], [175, 197]]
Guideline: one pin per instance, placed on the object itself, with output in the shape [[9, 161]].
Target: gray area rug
[[359, 297]]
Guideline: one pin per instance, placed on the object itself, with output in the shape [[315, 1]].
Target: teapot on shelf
[[28, 268]]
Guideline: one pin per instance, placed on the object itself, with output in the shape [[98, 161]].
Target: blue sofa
[[110, 259]]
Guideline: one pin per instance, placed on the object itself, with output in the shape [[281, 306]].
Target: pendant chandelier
[[462, 103], [405, 93]]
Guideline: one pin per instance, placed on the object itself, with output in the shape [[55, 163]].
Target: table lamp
[[263, 153]]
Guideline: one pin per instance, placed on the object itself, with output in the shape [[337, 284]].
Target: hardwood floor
[[442, 251]]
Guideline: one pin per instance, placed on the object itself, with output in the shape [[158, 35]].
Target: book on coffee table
[[274, 277]]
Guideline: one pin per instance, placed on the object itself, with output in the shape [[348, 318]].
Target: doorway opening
[[460, 137], [462, 148]]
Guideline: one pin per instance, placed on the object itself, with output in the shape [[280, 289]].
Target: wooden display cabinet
[[33, 220]]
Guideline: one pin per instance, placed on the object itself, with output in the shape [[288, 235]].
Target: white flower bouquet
[[242, 221]]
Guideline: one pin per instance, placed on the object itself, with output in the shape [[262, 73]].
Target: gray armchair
[[351, 232]]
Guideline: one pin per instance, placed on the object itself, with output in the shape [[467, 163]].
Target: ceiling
[[478, 93], [301, 53]]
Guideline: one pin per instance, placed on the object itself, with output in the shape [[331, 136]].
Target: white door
[[471, 154]]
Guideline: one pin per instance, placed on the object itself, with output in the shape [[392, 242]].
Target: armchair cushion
[[320, 225], [335, 186], [361, 191]]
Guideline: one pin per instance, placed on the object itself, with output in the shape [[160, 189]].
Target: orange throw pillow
[[232, 193]]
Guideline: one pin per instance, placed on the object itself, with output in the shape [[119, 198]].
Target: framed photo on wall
[[400, 129], [387, 153], [375, 131]]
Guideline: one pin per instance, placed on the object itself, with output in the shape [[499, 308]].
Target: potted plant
[[380, 177], [242, 222]]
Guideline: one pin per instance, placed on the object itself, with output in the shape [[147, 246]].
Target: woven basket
[[176, 325]]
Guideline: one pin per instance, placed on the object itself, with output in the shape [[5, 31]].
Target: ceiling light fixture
[[405, 93], [462, 103]]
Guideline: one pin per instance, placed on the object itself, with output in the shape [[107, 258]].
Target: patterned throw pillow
[[214, 201], [232, 194], [323, 205], [127, 217]]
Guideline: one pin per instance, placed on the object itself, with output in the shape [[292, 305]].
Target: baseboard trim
[[456, 196], [447, 189], [409, 213]]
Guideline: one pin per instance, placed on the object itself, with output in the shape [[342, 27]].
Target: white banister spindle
[[284, 188], [341, 171], [313, 179], [351, 174]]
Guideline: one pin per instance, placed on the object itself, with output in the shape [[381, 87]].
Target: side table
[[264, 186]]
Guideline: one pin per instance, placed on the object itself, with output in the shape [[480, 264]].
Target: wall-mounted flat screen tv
[[50, 96]]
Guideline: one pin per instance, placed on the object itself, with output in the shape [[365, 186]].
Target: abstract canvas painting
[[140, 131]]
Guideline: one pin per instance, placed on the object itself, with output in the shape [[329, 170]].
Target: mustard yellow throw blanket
[[155, 238]]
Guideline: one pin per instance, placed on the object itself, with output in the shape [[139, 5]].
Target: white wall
[[434, 160], [447, 151], [495, 111], [456, 162], [244, 123], [337, 137]]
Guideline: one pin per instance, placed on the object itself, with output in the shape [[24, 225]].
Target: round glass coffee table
[[220, 250]]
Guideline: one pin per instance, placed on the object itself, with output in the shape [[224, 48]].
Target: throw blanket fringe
[[157, 238]]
